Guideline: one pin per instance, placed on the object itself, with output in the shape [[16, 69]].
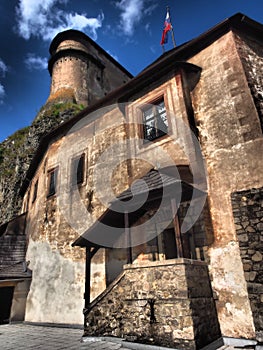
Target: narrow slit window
[[155, 123], [78, 170], [52, 182], [35, 191]]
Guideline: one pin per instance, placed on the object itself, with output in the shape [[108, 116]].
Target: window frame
[[74, 160], [157, 101], [55, 180]]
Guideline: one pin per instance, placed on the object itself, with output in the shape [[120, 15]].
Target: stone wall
[[248, 213], [231, 140], [166, 303], [70, 72]]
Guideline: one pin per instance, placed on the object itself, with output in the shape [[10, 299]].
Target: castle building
[[149, 201], [81, 69]]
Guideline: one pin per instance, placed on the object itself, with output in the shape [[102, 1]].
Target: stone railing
[[166, 303]]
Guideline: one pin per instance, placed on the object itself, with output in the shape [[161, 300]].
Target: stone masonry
[[248, 215], [167, 303]]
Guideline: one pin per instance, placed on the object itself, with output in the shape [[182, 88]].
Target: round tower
[[68, 67], [81, 71]]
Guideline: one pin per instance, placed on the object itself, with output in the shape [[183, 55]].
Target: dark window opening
[[169, 244], [6, 297], [155, 123], [35, 192], [52, 183], [78, 170]]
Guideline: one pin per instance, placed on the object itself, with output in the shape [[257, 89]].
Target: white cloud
[[44, 19], [148, 11], [2, 94], [34, 62], [148, 28], [75, 21], [132, 11], [3, 68]]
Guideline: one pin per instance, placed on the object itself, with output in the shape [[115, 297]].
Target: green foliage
[[57, 109], [19, 136], [49, 115], [10, 149]]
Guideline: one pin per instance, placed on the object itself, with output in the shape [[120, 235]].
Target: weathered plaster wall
[[56, 292], [248, 213], [232, 143], [19, 300], [183, 313], [176, 148], [251, 55], [51, 227], [58, 268]]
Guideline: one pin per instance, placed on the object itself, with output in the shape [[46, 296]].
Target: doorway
[[169, 244], [6, 297]]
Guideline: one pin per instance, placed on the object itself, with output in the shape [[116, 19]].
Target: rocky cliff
[[17, 151]]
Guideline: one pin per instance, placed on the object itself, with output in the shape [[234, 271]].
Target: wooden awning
[[152, 189]]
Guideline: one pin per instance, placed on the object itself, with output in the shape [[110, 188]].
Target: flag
[[167, 27]]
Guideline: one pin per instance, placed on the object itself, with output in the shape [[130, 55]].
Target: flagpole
[[173, 39]]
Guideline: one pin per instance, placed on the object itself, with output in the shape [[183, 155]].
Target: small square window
[[35, 192], [155, 123], [77, 173], [52, 182]]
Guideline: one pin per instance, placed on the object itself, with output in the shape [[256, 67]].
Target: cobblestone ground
[[27, 337]]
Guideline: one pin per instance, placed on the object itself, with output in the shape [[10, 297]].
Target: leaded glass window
[[155, 123]]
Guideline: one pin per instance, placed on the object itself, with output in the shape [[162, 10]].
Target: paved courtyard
[[21, 336], [28, 337]]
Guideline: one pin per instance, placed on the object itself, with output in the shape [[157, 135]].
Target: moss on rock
[[17, 151]]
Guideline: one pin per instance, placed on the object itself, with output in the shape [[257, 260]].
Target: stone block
[[252, 276], [257, 257], [243, 237]]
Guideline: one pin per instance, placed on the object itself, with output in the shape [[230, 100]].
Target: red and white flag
[[167, 27]]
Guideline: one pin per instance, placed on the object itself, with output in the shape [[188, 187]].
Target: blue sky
[[130, 30]]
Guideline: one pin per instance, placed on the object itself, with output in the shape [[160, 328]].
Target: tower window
[[35, 192], [155, 123], [77, 173], [52, 182]]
